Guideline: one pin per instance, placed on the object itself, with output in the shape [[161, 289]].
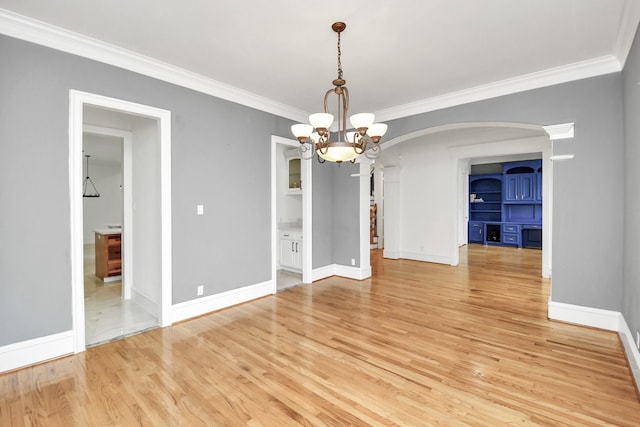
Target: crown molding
[[560, 131], [627, 31], [41, 33], [576, 71], [31, 30]]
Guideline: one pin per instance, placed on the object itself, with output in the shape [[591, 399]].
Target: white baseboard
[[417, 256], [37, 350], [110, 279], [145, 302], [390, 254], [546, 271], [198, 307], [352, 272], [603, 319], [349, 272], [586, 316], [323, 272], [630, 350]]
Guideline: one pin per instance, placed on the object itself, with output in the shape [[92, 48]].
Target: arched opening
[[425, 175]]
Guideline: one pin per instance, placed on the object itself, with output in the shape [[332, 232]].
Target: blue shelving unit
[[506, 209]]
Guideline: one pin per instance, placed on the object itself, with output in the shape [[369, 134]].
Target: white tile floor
[[107, 315], [287, 279]]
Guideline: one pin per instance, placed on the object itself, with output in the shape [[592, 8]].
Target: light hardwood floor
[[419, 344]]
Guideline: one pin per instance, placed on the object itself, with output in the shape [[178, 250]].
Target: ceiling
[[394, 54], [102, 149]]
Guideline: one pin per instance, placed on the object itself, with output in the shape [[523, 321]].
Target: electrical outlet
[[638, 339], [200, 290], [353, 261], [200, 209]]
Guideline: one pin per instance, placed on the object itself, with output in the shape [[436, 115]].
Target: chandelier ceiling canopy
[[340, 145]]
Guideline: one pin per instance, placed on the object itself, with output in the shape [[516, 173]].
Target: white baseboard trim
[[546, 271], [145, 302], [37, 350], [352, 272], [390, 254], [630, 350], [585, 316], [603, 319], [417, 256], [349, 272], [198, 307], [323, 272]]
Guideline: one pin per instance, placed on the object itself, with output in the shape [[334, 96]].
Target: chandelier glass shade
[[339, 145]]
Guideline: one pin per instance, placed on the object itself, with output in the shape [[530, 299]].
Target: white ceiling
[[393, 52], [102, 149]]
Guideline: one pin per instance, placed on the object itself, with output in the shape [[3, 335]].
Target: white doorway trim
[[306, 175], [127, 199], [77, 101]]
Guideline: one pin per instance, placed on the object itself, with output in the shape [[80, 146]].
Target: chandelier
[[340, 145]]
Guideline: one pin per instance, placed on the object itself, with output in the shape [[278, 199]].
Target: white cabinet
[[294, 173], [291, 250]]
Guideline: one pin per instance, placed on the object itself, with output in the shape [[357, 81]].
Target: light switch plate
[[200, 209]]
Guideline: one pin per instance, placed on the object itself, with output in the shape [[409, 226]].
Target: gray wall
[[322, 212], [220, 158], [336, 220], [346, 214], [588, 190], [631, 289], [35, 265]]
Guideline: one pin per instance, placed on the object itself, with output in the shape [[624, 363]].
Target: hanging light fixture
[[342, 145], [88, 188]]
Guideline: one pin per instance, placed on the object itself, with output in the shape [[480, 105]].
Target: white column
[[391, 213]]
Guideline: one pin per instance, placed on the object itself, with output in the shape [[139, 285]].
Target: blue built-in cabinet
[[506, 209]]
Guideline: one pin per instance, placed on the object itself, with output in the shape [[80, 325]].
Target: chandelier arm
[[322, 147], [359, 143], [373, 152], [304, 148], [326, 96], [344, 114], [346, 100]]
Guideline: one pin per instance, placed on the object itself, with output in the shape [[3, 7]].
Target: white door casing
[[77, 101]]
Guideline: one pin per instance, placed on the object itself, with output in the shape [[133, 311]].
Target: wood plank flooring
[[419, 344]]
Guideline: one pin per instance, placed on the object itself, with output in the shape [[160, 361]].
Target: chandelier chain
[[339, 58]]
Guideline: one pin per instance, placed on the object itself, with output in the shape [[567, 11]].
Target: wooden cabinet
[[108, 254], [291, 250]]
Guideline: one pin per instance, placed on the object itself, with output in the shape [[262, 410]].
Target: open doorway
[[425, 173], [291, 215], [137, 233], [110, 311]]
